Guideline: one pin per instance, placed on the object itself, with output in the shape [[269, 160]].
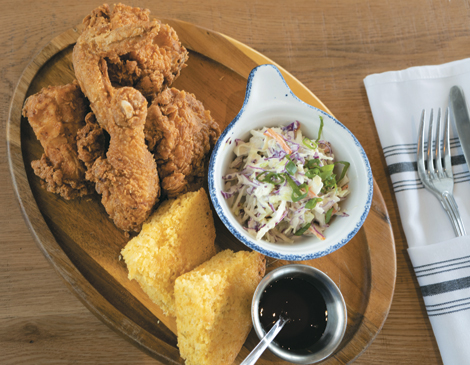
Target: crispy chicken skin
[[127, 177], [56, 114], [91, 141], [181, 133], [155, 64]]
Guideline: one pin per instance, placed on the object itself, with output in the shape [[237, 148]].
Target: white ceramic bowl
[[269, 102]]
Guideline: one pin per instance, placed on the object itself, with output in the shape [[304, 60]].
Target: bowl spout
[[265, 84]]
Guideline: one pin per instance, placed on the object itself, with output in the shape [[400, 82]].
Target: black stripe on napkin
[[445, 307], [448, 307], [394, 146], [441, 271], [444, 268], [398, 167], [448, 312], [460, 179], [411, 184], [447, 303], [418, 268], [416, 184], [406, 183], [454, 142], [410, 148], [410, 188], [400, 146], [445, 287]]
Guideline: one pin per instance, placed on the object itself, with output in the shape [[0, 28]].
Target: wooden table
[[330, 46]]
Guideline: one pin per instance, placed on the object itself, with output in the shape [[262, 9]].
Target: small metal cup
[[335, 305]]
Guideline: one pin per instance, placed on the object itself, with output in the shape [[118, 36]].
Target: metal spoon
[[264, 343]]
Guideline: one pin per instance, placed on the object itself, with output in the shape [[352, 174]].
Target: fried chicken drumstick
[[56, 114], [127, 178]]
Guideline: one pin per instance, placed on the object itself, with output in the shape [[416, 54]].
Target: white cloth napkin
[[440, 260]]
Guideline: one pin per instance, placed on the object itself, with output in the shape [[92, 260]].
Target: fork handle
[[450, 206]]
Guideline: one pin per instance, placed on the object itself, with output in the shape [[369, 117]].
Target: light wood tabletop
[[329, 46]]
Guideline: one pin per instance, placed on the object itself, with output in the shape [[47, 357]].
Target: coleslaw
[[282, 184]]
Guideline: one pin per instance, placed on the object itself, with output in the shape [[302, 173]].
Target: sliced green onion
[[345, 169], [321, 128], [312, 203], [297, 190], [270, 178], [310, 164], [329, 182], [312, 173], [258, 177], [312, 168], [291, 167], [328, 215], [298, 195], [327, 168], [302, 230], [309, 143], [326, 171]]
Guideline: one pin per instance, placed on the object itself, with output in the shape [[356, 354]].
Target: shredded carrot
[[316, 233], [311, 194], [269, 132], [345, 187]]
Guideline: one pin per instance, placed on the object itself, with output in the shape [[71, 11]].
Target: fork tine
[[446, 147], [421, 167], [440, 183], [430, 146], [438, 143]]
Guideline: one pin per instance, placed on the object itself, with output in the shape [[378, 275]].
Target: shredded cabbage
[[282, 184]]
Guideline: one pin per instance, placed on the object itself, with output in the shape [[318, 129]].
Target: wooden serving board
[[84, 246]]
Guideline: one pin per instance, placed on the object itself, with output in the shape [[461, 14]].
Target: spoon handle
[[264, 343]]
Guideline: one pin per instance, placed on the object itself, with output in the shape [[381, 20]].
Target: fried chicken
[[91, 141], [56, 114], [181, 133], [155, 64], [127, 177]]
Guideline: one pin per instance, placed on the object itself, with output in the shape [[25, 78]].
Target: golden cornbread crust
[[178, 237], [213, 307]]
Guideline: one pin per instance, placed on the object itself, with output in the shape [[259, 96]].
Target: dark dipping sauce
[[302, 303]]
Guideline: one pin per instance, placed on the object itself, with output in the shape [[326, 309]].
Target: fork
[[438, 178]]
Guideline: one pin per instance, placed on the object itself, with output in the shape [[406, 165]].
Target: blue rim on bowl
[[268, 96]]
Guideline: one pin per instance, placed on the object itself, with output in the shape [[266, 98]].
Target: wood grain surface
[[329, 46], [83, 245]]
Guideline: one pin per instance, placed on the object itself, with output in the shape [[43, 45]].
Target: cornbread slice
[[178, 237], [213, 307]]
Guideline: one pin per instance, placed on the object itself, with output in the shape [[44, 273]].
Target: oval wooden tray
[[83, 245]]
